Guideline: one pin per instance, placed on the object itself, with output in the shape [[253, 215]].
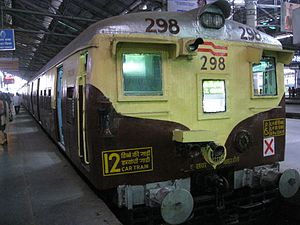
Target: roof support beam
[[131, 7], [35, 24], [91, 8], [47, 14], [26, 3], [266, 12], [52, 45], [43, 32], [265, 6]]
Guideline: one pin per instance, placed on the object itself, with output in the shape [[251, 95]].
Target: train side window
[[264, 77], [45, 92], [142, 74], [84, 61], [214, 96]]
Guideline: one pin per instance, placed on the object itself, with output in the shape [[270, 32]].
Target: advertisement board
[[184, 5], [296, 26], [287, 9], [9, 64]]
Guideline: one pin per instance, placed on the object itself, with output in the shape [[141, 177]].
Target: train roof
[[188, 23]]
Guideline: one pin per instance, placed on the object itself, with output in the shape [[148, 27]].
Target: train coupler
[[288, 182], [173, 197]]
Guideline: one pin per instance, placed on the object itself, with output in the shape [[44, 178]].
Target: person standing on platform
[[293, 92], [4, 111], [16, 102], [201, 3]]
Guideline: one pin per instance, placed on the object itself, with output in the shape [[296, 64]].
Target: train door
[[38, 100], [81, 110], [28, 101], [32, 98], [59, 105]]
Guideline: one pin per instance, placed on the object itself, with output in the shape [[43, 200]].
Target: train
[[177, 117]]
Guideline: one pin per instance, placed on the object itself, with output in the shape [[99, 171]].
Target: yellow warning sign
[[125, 161], [274, 127]]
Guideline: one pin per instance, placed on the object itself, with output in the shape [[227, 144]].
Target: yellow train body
[[182, 97]]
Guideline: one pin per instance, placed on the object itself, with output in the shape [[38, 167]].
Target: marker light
[[212, 20]]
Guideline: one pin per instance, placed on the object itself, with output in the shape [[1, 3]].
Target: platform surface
[[293, 108], [38, 186]]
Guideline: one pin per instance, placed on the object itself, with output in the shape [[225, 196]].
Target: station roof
[[43, 28]]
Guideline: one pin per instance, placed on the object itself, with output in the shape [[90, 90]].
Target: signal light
[[213, 15]]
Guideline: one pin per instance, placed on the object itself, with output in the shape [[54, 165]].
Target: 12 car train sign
[[274, 127], [116, 162], [271, 129]]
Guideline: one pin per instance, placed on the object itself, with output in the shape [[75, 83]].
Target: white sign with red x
[[269, 146]]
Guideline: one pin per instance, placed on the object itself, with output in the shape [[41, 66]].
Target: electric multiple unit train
[[177, 117]]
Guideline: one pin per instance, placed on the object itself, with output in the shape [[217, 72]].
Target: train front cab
[[224, 94], [172, 125], [167, 122], [173, 104]]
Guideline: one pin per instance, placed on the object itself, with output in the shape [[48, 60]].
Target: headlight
[[212, 20], [243, 140]]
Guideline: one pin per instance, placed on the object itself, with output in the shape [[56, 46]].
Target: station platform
[[39, 186], [293, 108]]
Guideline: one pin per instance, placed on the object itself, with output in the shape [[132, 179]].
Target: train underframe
[[242, 207], [242, 197]]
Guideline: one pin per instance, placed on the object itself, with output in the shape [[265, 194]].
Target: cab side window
[[264, 77], [142, 74]]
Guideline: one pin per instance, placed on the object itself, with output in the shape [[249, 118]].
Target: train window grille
[[142, 74], [214, 96], [264, 77], [49, 99], [85, 61], [70, 112], [45, 99]]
